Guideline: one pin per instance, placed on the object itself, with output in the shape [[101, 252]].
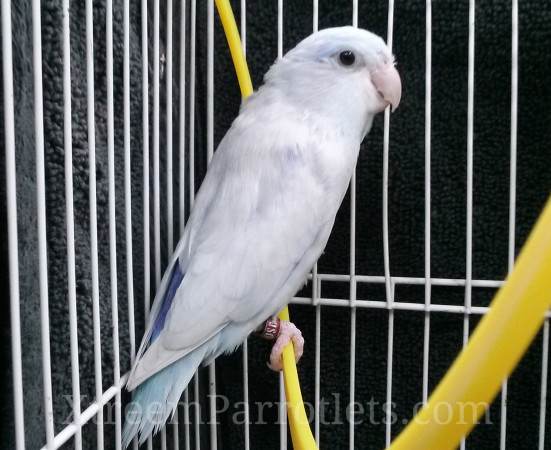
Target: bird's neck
[[326, 104]]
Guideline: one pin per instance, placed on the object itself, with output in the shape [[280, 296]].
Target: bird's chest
[[317, 166], [335, 163]]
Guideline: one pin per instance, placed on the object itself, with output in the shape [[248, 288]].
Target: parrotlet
[[263, 214]]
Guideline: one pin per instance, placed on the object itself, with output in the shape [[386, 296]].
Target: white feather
[[268, 202]]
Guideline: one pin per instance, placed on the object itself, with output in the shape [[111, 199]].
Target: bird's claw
[[288, 333]]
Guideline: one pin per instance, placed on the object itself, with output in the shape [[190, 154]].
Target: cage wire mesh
[[111, 112]]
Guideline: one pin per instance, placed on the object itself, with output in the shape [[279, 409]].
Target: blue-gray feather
[[156, 399]]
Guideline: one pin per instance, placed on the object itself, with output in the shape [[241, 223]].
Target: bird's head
[[344, 71]]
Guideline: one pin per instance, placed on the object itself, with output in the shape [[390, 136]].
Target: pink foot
[[288, 332]]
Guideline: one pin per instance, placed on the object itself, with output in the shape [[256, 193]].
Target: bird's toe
[[288, 333]]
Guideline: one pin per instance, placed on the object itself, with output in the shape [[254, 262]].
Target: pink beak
[[387, 82]]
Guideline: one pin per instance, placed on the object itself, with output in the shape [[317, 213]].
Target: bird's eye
[[347, 58]]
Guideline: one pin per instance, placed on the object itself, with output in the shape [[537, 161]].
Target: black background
[[406, 208]]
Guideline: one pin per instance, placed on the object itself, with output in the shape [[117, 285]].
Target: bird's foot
[[288, 332]]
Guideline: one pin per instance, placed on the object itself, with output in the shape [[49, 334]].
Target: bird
[[263, 214]]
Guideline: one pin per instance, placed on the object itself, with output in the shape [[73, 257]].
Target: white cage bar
[[185, 152], [41, 216], [70, 223], [281, 412], [112, 222], [428, 288], [15, 318]]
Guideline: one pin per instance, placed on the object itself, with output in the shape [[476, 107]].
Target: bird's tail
[[156, 398]]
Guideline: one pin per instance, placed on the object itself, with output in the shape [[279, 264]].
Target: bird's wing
[[260, 211]]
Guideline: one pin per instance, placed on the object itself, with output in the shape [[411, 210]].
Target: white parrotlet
[[263, 214]]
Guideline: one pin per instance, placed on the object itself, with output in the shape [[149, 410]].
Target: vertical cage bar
[[315, 15], [112, 219], [469, 231], [389, 369], [182, 119], [282, 416], [316, 288], [145, 149], [243, 26], [279, 28], [181, 182], [182, 185], [182, 169], [90, 111], [163, 437], [145, 143], [386, 135], [128, 192], [156, 155], [187, 440], [197, 412], [317, 362], [210, 151], [246, 394], [128, 182], [192, 69], [247, 436], [386, 252], [514, 121], [210, 79], [428, 93], [470, 123], [352, 369], [512, 187], [182, 188], [169, 177], [175, 430], [352, 266], [503, 413], [543, 391], [41, 220], [192, 44], [193, 18], [212, 404], [70, 224], [11, 191], [169, 169], [156, 162], [156, 168], [282, 398]]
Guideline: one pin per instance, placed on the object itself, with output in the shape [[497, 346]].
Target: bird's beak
[[386, 80]]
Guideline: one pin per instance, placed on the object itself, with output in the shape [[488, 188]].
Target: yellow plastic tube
[[298, 421], [234, 42], [495, 348], [301, 434]]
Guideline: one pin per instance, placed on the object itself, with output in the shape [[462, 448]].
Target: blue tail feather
[[156, 398]]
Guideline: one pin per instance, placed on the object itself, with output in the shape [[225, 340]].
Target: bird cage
[[111, 113]]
